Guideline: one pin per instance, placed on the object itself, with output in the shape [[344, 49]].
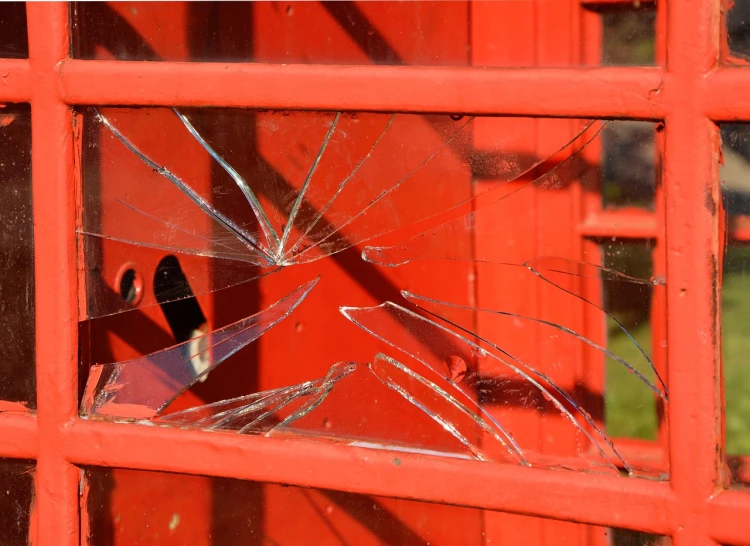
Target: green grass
[[736, 349], [629, 404]]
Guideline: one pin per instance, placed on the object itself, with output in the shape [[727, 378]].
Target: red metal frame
[[690, 95]]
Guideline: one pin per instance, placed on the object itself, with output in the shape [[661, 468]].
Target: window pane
[[14, 43], [629, 36], [431, 263], [16, 494], [17, 379], [137, 507], [629, 161], [423, 33], [735, 179], [737, 32]]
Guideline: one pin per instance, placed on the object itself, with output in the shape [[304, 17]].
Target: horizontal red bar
[[15, 80], [571, 92], [724, 94], [729, 517], [630, 223], [740, 235], [610, 4], [18, 435], [587, 498]]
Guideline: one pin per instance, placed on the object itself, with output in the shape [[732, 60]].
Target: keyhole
[[131, 286]]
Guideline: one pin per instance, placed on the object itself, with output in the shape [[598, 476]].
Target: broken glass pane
[[629, 411], [455, 313], [120, 509], [145, 386]]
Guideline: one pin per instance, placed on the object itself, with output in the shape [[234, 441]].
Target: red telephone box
[[233, 67]]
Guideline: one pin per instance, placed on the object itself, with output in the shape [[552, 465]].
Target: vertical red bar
[[659, 317], [54, 238], [692, 244]]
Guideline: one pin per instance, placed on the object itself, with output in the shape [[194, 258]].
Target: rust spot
[[457, 368], [710, 202], [715, 294]]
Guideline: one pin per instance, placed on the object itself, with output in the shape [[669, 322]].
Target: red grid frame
[[690, 95]]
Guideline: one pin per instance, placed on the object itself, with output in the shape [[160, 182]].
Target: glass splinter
[[434, 345], [439, 243], [145, 386], [242, 234], [450, 413]]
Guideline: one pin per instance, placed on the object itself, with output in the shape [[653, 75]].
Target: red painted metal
[[55, 266], [15, 80], [693, 293], [689, 94], [621, 223], [641, 504], [579, 92]]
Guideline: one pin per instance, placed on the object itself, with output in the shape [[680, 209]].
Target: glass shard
[[347, 179], [143, 387], [479, 217], [472, 373]]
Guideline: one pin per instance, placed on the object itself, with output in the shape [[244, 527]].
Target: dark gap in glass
[[17, 352], [176, 299], [14, 41]]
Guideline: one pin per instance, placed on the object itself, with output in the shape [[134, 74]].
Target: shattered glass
[[467, 338]]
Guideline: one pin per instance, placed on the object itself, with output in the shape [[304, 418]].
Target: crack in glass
[[345, 179]]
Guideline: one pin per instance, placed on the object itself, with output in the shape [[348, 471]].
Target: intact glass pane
[[735, 309], [629, 36], [629, 159], [737, 33], [14, 42], [131, 507], [16, 499], [422, 33], [17, 375]]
